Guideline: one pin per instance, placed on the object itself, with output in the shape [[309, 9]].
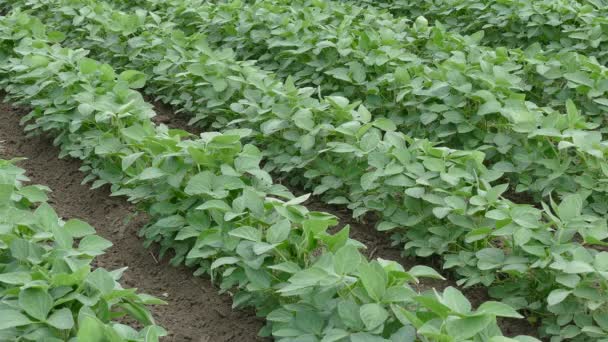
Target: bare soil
[[196, 312]]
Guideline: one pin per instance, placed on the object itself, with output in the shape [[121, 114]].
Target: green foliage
[[212, 204], [437, 200], [414, 76], [48, 290], [555, 24]]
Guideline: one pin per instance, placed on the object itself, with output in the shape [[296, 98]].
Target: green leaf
[[254, 202], [349, 312], [56, 36], [363, 114], [415, 192], [374, 279], [15, 278], [88, 66], [78, 229], [278, 232], [434, 305], [280, 315], [135, 79], [94, 245], [601, 261], [434, 164], [520, 338], [247, 233], [36, 302], [580, 78], [402, 76], [309, 321], [339, 73], [576, 267], [357, 71], [386, 225], [373, 315], [224, 261], [12, 318], [490, 258], [47, 216], [219, 84], [347, 259], [464, 328], [456, 301], [441, 212], [385, 124], [215, 204], [137, 311], [271, 126], [303, 119], [425, 271], [151, 173], [62, 237], [200, 183], [26, 251], [557, 296], [101, 280], [366, 337], [33, 193], [489, 107], [570, 207], [61, 319], [127, 161], [334, 335], [406, 317], [93, 330], [498, 309], [569, 280], [405, 334]]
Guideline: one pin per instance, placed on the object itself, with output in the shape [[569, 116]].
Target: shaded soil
[[195, 311]]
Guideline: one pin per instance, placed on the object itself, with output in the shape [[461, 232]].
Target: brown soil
[[195, 311]]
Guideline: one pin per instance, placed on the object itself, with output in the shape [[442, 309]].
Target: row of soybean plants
[[511, 139], [473, 98], [212, 205], [48, 288], [555, 25], [417, 74], [285, 38], [523, 251]]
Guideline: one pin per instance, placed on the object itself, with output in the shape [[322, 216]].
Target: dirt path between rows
[[195, 312]]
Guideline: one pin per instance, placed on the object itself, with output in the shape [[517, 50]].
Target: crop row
[[219, 212], [482, 235], [538, 148], [477, 99], [48, 290], [561, 25], [408, 73], [425, 77]]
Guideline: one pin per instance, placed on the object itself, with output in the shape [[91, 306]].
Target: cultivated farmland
[[303, 170]]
